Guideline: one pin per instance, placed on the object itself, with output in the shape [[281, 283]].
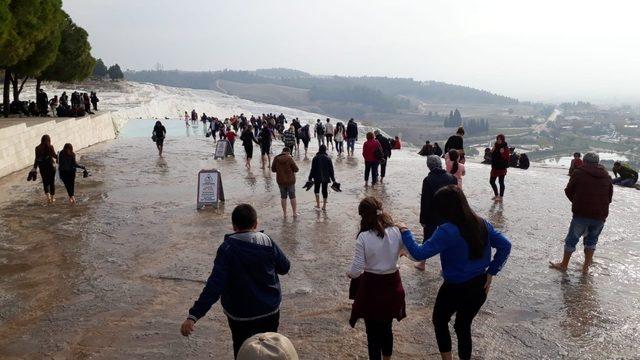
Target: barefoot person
[[158, 134], [436, 180], [372, 153], [248, 139], [464, 242], [590, 192], [265, 139], [377, 287], [245, 279], [67, 166], [285, 168], [499, 164], [45, 156], [321, 175]]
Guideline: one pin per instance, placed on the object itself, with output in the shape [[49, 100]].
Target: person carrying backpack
[[319, 132]]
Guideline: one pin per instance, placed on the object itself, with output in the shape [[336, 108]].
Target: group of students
[[245, 275], [46, 159]]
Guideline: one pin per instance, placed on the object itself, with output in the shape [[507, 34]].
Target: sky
[[542, 50]]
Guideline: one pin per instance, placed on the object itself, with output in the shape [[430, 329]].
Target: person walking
[[285, 168], [376, 286], [338, 136], [231, 138], [465, 243], [248, 139], [434, 181], [265, 139], [352, 136], [499, 164], [67, 166], [319, 132], [386, 152], [590, 191], [454, 167], [289, 138], [321, 175], [186, 119], [44, 160], [158, 134], [328, 133], [245, 279], [305, 136], [53, 105], [624, 174], [373, 154]]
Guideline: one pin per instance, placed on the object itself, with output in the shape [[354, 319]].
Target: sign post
[[210, 190], [223, 148]]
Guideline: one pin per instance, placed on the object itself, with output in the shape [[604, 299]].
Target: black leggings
[[48, 174], [242, 330], [383, 168], [69, 180], [316, 189], [492, 181], [465, 300], [379, 338]]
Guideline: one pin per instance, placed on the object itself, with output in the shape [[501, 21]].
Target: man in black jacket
[[386, 151], [437, 179], [352, 136]]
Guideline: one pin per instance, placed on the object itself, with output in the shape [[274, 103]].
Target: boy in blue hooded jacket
[[245, 279]]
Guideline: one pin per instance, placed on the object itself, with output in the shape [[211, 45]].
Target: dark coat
[[321, 169], [386, 145], [590, 192], [454, 142], [352, 130], [437, 179]]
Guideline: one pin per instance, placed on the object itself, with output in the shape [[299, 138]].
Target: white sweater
[[377, 255]]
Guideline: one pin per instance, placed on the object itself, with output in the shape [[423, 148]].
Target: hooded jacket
[[590, 192], [285, 168], [352, 130], [245, 278]]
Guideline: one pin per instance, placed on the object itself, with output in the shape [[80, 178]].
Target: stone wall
[[19, 137]]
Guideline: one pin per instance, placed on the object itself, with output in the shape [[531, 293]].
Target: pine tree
[[100, 70], [115, 73]]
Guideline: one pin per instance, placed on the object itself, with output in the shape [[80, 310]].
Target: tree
[[115, 73], [29, 22], [100, 70], [73, 61]]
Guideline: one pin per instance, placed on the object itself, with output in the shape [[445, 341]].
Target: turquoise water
[[175, 128]]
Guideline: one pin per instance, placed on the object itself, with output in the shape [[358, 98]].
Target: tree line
[[471, 126], [100, 71], [38, 40]]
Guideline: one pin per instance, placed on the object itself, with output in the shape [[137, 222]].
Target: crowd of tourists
[[79, 104], [246, 270]]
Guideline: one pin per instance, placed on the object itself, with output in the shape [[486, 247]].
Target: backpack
[[319, 129], [380, 155]]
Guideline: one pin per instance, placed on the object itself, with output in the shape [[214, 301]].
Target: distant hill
[[333, 95]]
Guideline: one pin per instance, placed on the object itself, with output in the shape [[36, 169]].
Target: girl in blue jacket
[[464, 242]]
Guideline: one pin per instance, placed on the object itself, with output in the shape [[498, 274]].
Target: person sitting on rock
[[427, 149], [625, 175]]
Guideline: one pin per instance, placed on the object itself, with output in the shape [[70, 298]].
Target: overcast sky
[[533, 50]]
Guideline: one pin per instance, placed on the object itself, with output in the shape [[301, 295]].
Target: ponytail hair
[[373, 217], [454, 156]]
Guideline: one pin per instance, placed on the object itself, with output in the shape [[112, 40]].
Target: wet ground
[[114, 276]]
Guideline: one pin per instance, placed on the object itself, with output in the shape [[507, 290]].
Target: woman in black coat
[[321, 175]]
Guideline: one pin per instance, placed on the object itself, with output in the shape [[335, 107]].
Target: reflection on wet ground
[[114, 276]]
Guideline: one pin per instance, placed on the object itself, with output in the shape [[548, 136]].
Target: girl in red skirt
[[376, 287]]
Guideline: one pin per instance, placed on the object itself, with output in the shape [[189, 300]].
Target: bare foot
[[558, 266], [420, 266]]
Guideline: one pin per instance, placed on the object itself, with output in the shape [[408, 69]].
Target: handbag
[[154, 137]]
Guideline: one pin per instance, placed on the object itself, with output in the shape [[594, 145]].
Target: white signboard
[[222, 149], [209, 188]]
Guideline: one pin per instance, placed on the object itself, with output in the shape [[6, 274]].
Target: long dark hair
[[372, 216], [453, 156], [68, 149], [45, 140], [452, 206]]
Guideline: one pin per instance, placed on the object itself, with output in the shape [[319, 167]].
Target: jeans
[[320, 140], [465, 300], [624, 182], [48, 174], [383, 167], [339, 146], [590, 229], [242, 330], [371, 166], [379, 338], [69, 180], [351, 144]]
